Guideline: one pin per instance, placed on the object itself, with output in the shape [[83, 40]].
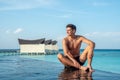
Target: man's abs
[[74, 53]]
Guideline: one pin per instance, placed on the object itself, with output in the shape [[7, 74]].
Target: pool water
[[48, 67], [105, 60]]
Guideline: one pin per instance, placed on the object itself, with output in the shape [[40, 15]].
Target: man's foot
[[90, 69]]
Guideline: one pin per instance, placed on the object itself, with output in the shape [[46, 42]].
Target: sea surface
[[104, 59]]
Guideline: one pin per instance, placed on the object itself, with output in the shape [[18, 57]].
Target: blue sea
[[13, 64]]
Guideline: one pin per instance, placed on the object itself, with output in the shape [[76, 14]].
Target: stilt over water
[[17, 52]]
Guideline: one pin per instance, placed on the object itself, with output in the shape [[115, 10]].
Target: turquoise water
[[105, 60]]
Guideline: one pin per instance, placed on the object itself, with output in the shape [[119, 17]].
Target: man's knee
[[90, 56], [59, 56]]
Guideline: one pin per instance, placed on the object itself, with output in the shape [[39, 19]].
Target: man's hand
[[76, 64]]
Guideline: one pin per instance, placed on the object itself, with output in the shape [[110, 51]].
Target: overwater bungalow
[[38, 46]]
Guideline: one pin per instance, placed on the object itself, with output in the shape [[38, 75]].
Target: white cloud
[[24, 4], [103, 34], [59, 38], [91, 34], [60, 16], [8, 31], [100, 4], [105, 39], [18, 30], [65, 16], [70, 11]]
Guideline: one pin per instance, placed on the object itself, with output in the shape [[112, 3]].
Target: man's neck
[[72, 36]]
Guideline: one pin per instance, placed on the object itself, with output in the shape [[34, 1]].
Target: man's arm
[[90, 43], [66, 50]]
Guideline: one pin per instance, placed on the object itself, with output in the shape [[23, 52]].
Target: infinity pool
[[17, 67]]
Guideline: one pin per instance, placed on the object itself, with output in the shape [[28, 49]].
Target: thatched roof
[[47, 42], [38, 41], [54, 42]]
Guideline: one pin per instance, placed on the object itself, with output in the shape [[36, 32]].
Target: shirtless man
[[71, 47]]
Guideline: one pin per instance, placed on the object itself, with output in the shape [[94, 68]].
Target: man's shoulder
[[79, 36], [64, 39]]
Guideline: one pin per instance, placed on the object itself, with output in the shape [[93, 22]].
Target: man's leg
[[87, 55], [64, 60], [68, 62]]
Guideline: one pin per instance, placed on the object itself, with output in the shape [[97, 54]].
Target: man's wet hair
[[72, 26]]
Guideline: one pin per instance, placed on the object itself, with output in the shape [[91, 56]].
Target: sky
[[97, 20]]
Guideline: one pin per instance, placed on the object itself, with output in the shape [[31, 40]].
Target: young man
[[71, 47]]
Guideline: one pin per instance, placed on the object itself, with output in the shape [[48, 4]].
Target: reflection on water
[[75, 75]]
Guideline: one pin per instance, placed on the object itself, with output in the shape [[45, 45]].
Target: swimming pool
[[47, 67], [105, 60]]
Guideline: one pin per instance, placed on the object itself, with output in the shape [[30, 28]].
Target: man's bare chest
[[73, 45]]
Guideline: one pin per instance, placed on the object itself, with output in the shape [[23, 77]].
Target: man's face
[[69, 31]]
